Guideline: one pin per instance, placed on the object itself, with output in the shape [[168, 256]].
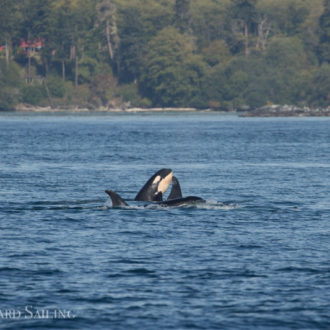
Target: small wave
[[214, 205], [30, 272], [129, 261], [96, 300], [303, 270], [9, 269], [53, 205], [249, 246], [207, 205], [128, 207], [48, 272], [61, 202], [141, 271]]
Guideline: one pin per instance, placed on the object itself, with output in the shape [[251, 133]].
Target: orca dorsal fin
[[116, 199], [176, 190]]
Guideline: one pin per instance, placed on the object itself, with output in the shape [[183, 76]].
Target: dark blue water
[[255, 256]]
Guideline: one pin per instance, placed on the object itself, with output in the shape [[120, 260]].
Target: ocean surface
[[256, 255]]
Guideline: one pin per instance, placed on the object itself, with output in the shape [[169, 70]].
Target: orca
[[117, 201], [156, 186], [174, 199]]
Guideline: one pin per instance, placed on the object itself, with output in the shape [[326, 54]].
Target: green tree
[[34, 25], [217, 52], [208, 21], [225, 85], [318, 93], [297, 18], [73, 22], [103, 87], [324, 53], [10, 81], [172, 73], [107, 22], [33, 93], [286, 59], [10, 18], [132, 46], [286, 16], [138, 23], [243, 13], [309, 30], [182, 15]]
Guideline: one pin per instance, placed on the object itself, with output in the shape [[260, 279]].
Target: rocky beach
[[265, 111], [286, 111]]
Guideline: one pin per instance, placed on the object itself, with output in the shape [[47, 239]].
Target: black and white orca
[[156, 186], [154, 190]]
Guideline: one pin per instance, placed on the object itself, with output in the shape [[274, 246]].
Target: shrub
[[33, 94], [56, 86], [10, 76]]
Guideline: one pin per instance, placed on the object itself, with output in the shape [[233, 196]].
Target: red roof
[[24, 44], [31, 44]]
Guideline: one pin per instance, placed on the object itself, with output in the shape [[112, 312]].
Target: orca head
[[156, 186]]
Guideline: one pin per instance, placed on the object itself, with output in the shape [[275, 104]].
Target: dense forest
[[219, 54]]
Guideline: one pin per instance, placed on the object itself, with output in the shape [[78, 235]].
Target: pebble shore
[[286, 111], [265, 111]]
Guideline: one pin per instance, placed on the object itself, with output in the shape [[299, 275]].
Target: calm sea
[[255, 256]]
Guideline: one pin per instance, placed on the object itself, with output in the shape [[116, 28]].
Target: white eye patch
[[157, 179]]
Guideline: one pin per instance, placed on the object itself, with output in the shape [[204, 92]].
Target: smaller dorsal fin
[[176, 189], [116, 199]]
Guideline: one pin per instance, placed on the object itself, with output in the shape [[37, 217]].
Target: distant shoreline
[[265, 111], [38, 109], [30, 108]]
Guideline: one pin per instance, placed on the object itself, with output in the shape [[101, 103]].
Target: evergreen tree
[[10, 82], [324, 49], [107, 23], [10, 18], [182, 15], [172, 73], [243, 22]]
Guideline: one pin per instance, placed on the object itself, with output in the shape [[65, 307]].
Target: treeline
[[197, 53]]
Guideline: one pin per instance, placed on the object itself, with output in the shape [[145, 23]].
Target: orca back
[[190, 200]]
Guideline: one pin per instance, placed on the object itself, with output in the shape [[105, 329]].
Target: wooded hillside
[[191, 53]]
